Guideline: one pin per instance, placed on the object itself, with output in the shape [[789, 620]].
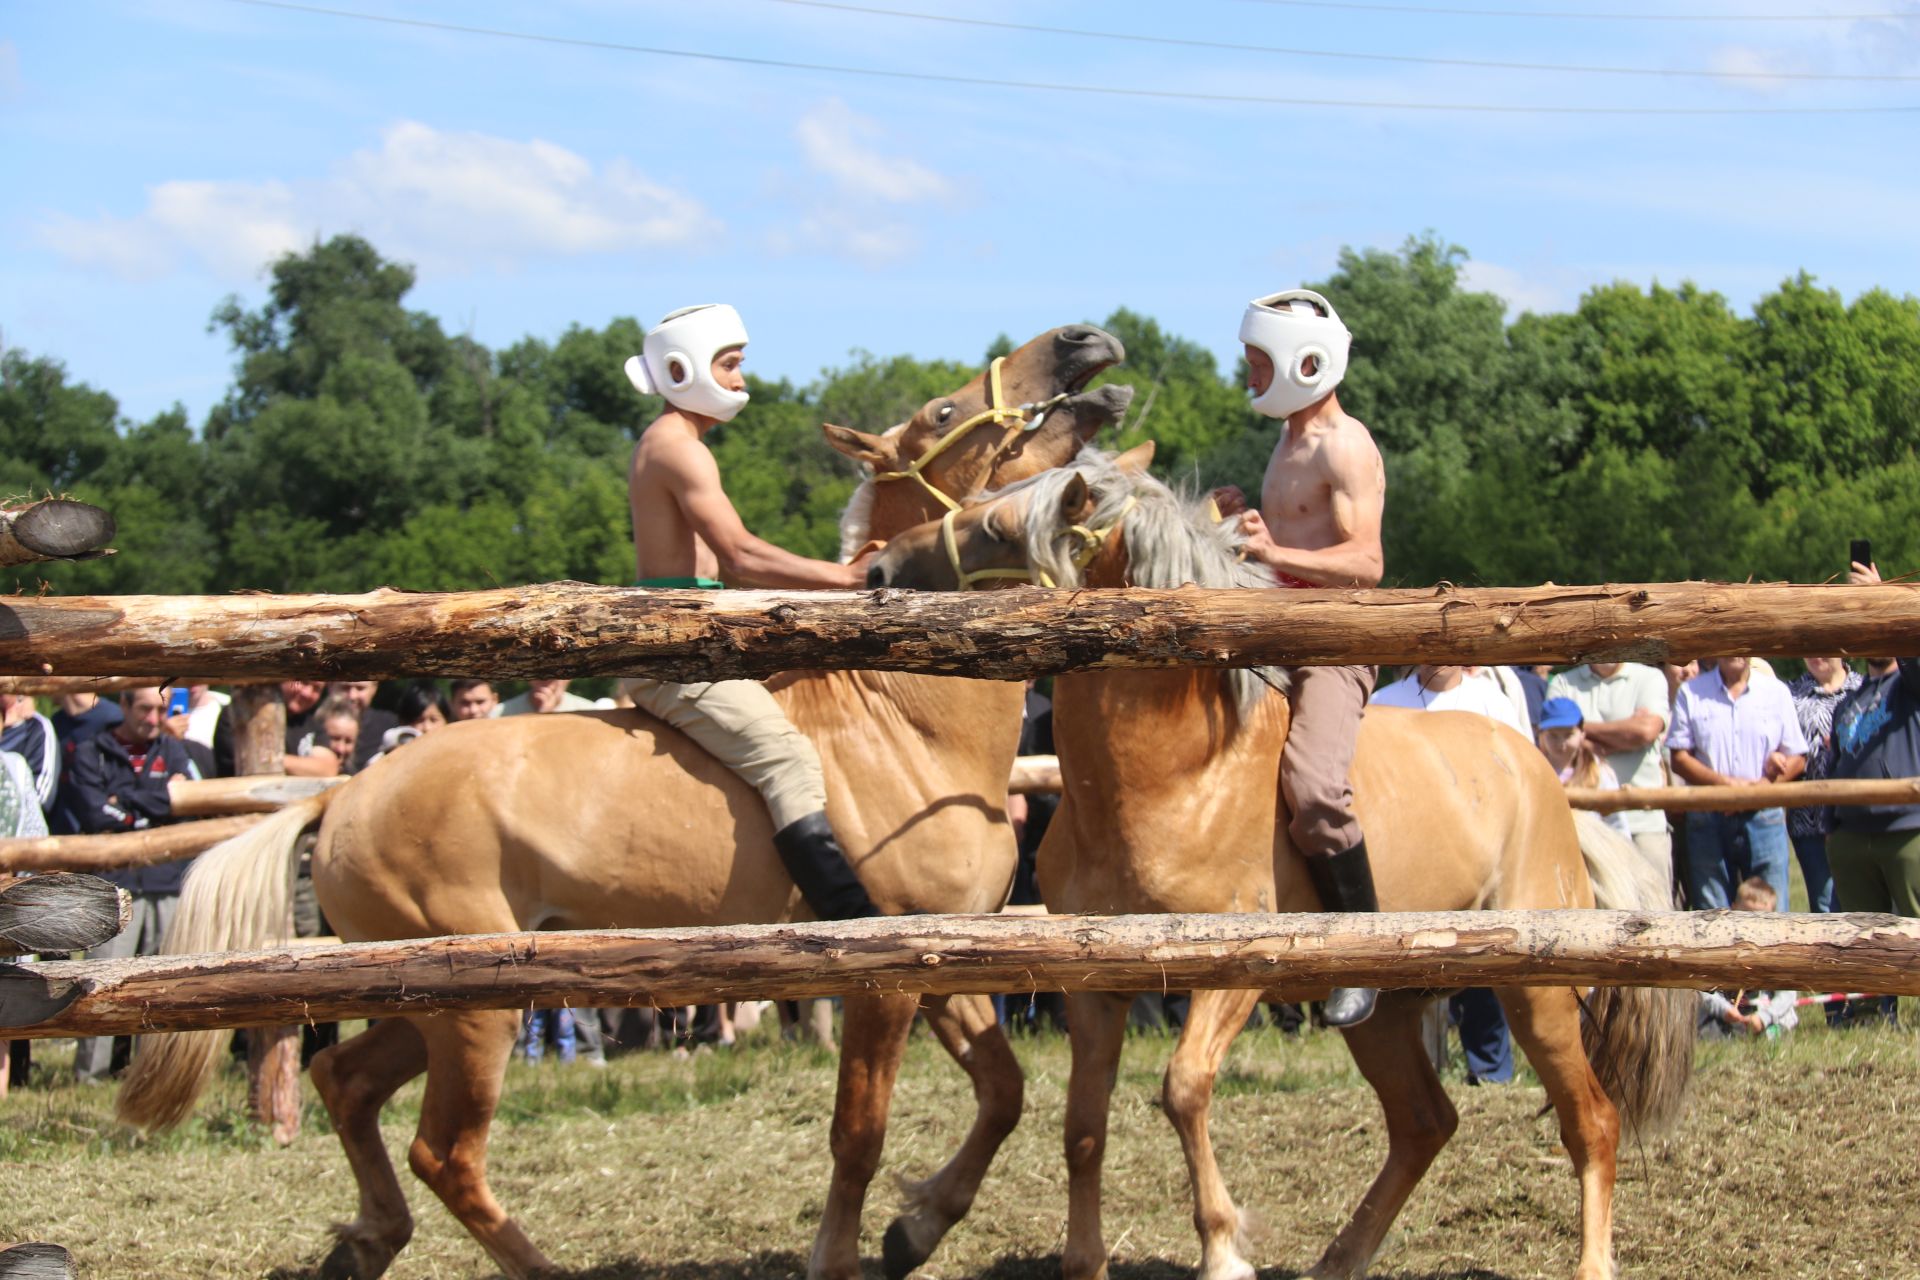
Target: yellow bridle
[[1091, 541], [1007, 415]]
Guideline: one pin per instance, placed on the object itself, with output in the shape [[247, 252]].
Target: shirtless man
[[1318, 526], [687, 534]]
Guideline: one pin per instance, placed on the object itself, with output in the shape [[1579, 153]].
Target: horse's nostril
[[1078, 334], [876, 577]]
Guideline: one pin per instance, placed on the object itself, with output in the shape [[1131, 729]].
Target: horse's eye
[[946, 411]]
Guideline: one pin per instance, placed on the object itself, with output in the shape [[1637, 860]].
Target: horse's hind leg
[[466, 1062], [354, 1079], [1096, 1024], [969, 1032], [873, 1039], [1546, 1022], [1420, 1118], [1215, 1018]]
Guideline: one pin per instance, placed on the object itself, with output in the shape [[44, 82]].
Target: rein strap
[[996, 411]]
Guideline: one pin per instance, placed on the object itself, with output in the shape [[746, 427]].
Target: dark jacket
[[109, 795], [1876, 734]]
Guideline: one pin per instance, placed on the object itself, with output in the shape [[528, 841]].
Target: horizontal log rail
[[250, 793], [1784, 795], [957, 954], [104, 686], [571, 629], [123, 850]]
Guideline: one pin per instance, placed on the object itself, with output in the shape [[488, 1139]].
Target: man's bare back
[[664, 542]]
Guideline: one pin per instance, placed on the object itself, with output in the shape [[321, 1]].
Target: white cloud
[[1751, 68], [835, 140], [443, 199], [1522, 291], [10, 82]]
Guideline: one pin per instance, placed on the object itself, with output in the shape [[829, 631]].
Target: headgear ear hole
[[677, 371]]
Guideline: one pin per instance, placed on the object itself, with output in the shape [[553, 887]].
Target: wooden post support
[[53, 529], [60, 912], [273, 1052], [959, 954], [574, 630]]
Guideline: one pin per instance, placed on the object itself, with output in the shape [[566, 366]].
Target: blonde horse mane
[[1172, 539]]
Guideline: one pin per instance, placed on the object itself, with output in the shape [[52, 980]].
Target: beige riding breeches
[[742, 727]]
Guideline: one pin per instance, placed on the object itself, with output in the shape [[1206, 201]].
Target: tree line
[[1649, 434]]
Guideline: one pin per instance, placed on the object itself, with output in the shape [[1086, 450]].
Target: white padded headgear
[[676, 360], [1291, 327]]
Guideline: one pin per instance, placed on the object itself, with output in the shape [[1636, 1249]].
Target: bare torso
[[664, 542], [1298, 496]]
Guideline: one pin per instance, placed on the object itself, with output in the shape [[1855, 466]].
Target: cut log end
[[60, 912], [36, 1262], [63, 529]]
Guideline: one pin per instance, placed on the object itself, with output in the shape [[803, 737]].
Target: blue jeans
[[1725, 848], [1483, 1035], [563, 1038], [1812, 852]]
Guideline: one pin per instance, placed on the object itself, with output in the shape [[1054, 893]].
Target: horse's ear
[[858, 445], [1076, 500], [1136, 460]]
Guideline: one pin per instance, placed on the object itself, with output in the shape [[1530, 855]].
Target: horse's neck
[[1149, 729], [939, 735]]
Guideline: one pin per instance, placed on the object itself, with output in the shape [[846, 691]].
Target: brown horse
[[615, 820], [1171, 805]]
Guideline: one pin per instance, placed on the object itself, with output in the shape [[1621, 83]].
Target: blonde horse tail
[[1639, 1039], [238, 896]]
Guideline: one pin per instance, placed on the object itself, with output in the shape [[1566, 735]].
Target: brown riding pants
[[1327, 703]]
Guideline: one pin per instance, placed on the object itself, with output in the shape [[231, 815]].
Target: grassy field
[[1798, 1159]]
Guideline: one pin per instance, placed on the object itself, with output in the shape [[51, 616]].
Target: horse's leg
[[873, 1039], [354, 1079], [1096, 1024], [1546, 1022], [967, 1030], [466, 1061], [1420, 1118], [1213, 1021]]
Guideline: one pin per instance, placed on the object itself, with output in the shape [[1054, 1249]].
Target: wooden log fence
[[53, 529], [962, 954], [573, 630], [60, 912], [249, 793], [120, 851]]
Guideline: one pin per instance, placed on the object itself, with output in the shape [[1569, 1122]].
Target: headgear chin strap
[[676, 361], [1293, 327]]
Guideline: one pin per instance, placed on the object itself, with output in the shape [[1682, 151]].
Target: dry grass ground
[[1797, 1160]]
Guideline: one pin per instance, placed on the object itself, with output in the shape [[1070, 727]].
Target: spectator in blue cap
[[1562, 739]]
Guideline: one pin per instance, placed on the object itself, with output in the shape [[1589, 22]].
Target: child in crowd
[[1772, 1012], [1562, 739]]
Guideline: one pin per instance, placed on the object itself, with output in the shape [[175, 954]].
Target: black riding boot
[[1345, 883], [817, 863]]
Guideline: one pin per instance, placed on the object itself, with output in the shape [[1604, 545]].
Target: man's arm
[[1695, 771], [318, 763], [745, 561], [1641, 729], [97, 810], [1357, 496]]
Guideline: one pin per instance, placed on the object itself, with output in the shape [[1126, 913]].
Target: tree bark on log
[[54, 529], [256, 793], [1035, 776], [273, 1052], [120, 851], [570, 629], [960, 954], [1785, 795], [103, 686], [60, 912]]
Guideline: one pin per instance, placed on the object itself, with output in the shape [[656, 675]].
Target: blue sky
[[156, 154]]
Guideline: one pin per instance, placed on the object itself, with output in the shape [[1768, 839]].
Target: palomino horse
[[614, 820], [1171, 805]]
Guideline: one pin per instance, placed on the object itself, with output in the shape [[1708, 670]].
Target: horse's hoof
[[899, 1255], [340, 1263]]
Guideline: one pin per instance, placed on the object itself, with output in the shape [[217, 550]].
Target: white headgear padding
[[676, 361], [1293, 327]]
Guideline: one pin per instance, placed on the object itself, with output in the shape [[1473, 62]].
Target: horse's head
[[1026, 413], [1059, 529]]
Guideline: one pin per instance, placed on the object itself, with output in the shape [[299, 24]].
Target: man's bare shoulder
[[670, 444], [1346, 446]]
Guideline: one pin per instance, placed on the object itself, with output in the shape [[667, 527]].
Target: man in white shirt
[[1429, 687], [545, 696], [1625, 710]]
